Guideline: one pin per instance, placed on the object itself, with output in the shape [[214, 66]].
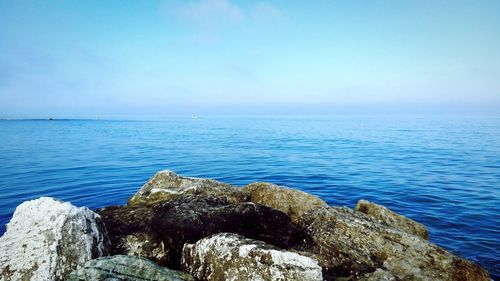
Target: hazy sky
[[244, 57]]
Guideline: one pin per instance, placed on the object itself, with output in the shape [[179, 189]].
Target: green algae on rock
[[290, 201], [166, 185], [126, 268], [384, 215]]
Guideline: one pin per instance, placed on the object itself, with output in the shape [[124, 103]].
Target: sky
[[86, 58]]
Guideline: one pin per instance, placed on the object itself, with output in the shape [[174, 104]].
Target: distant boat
[[97, 117], [194, 116]]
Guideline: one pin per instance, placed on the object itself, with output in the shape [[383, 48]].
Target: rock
[[378, 275], [166, 185], [187, 219], [228, 256], [290, 201], [350, 243], [131, 232], [47, 239], [390, 218], [129, 268]]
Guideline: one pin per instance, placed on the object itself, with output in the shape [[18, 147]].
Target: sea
[[442, 171]]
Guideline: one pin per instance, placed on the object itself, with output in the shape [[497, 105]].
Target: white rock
[[47, 239], [228, 256]]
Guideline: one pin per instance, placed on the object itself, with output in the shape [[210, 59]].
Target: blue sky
[[69, 58]]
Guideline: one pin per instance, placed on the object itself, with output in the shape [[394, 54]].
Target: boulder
[[228, 256], [390, 218], [187, 219], [167, 185], [131, 232], [126, 268], [47, 239], [351, 244], [290, 201], [378, 275]]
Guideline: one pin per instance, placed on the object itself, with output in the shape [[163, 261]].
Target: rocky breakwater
[[182, 228]]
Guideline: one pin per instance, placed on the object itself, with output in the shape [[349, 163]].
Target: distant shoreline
[[229, 116]]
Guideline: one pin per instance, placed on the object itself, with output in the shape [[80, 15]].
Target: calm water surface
[[441, 171]]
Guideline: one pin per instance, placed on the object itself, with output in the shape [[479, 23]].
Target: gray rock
[[131, 232], [290, 201], [350, 243], [390, 218], [227, 256], [166, 185], [129, 268], [47, 239]]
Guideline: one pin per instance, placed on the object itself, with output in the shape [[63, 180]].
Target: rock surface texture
[[188, 219], [351, 244], [227, 256], [290, 201], [132, 232], [390, 218], [47, 239], [378, 275], [126, 268], [166, 185]]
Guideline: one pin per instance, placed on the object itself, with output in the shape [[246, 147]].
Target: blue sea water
[[443, 171]]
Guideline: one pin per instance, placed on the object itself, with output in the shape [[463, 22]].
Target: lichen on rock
[[290, 201], [386, 216], [46, 239], [126, 268], [352, 244], [228, 256], [166, 185]]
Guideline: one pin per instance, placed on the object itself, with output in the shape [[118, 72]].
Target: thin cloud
[[211, 19], [264, 11], [209, 12]]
